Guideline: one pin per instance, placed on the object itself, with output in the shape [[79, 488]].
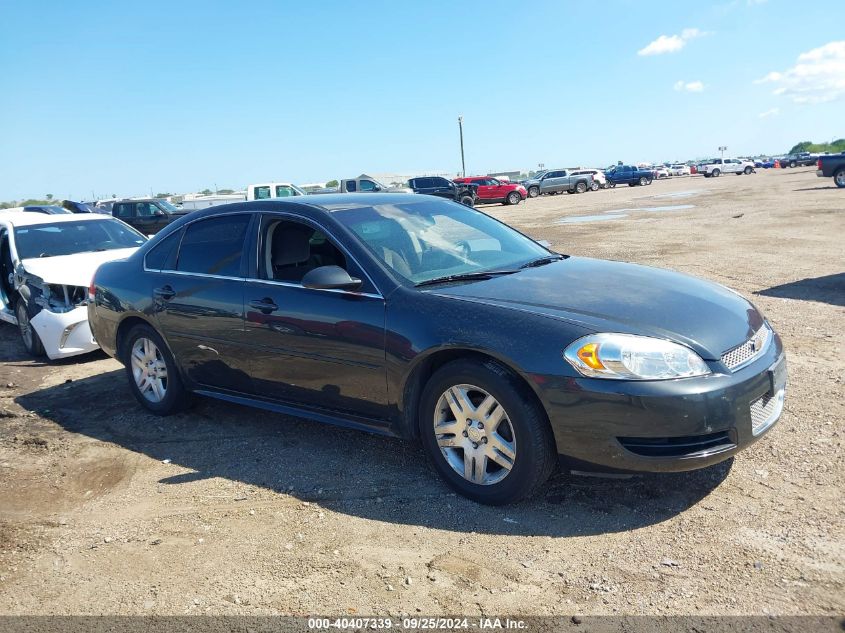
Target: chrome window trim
[[298, 218], [328, 234]]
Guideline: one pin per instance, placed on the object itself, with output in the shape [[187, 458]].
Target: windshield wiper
[[485, 274], [548, 259]]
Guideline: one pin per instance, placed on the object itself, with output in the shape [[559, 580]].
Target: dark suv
[[443, 187], [148, 216]]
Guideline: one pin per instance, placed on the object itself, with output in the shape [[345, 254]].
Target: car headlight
[[629, 357]]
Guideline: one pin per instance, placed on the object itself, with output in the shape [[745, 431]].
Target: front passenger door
[[319, 348]]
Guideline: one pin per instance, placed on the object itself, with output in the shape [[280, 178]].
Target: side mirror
[[330, 278], [158, 212]]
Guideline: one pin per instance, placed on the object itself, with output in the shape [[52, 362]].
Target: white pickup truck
[[719, 166]]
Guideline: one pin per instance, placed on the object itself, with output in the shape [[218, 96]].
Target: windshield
[[421, 241], [68, 238], [164, 204]]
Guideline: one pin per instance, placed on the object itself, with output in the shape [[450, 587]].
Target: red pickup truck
[[494, 190]]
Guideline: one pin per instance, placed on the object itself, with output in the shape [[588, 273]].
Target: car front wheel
[[467, 201], [716, 173], [533, 192], [153, 376], [514, 198], [595, 186], [486, 436], [29, 336], [839, 178]]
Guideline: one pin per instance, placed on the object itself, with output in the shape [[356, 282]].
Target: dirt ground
[[227, 510]]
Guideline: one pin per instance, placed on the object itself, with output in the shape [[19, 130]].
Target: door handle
[[165, 292], [265, 305]]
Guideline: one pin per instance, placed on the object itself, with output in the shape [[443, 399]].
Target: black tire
[[643, 181], [717, 173], [535, 455], [747, 171], [580, 187], [612, 185], [29, 337], [176, 397], [533, 192], [839, 177], [706, 175], [792, 163], [467, 201], [632, 184], [513, 198]]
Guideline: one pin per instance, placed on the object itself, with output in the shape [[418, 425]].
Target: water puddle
[[574, 219], [677, 194], [665, 207], [668, 207]]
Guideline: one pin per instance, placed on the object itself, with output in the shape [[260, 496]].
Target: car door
[[145, 218], [314, 347], [486, 190], [441, 187], [199, 302], [423, 185]]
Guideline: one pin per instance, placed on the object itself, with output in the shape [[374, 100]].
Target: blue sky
[[124, 97]]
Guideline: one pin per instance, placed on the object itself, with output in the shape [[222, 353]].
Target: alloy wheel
[[474, 434], [149, 369]]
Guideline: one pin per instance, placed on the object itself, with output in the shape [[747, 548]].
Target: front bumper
[[665, 426], [64, 334]]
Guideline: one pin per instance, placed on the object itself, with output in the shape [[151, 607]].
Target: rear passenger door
[[198, 301]]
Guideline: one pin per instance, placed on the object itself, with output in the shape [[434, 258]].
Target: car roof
[[28, 218]]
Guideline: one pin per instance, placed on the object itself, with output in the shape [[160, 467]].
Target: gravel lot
[[227, 510]]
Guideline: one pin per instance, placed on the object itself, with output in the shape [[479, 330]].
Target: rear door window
[[214, 246]]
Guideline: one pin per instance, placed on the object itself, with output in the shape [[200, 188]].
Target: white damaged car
[[47, 263]]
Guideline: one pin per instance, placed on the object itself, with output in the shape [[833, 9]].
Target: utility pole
[[463, 163]]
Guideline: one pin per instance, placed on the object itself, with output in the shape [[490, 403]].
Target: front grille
[[743, 354], [684, 446], [765, 411]]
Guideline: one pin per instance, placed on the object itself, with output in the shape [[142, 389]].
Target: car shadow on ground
[[817, 188], [828, 289], [352, 472]]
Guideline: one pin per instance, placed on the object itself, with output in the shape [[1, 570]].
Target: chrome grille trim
[[765, 411], [741, 355]]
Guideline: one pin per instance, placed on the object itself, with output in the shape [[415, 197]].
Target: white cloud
[[817, 77], [768, 113], [689, 86], [671, 43]]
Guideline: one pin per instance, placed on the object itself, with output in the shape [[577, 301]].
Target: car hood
[[607, 296], [72, 270]]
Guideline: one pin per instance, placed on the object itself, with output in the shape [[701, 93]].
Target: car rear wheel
[[580, 187], [153, 376], [533, 192], [612, 185], [748, 170], [595, 186], [484, 433], [29, 336], [514, 198], [643, 181], [839, 177]]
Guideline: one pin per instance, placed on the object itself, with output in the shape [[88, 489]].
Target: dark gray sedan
[[423, 318]]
